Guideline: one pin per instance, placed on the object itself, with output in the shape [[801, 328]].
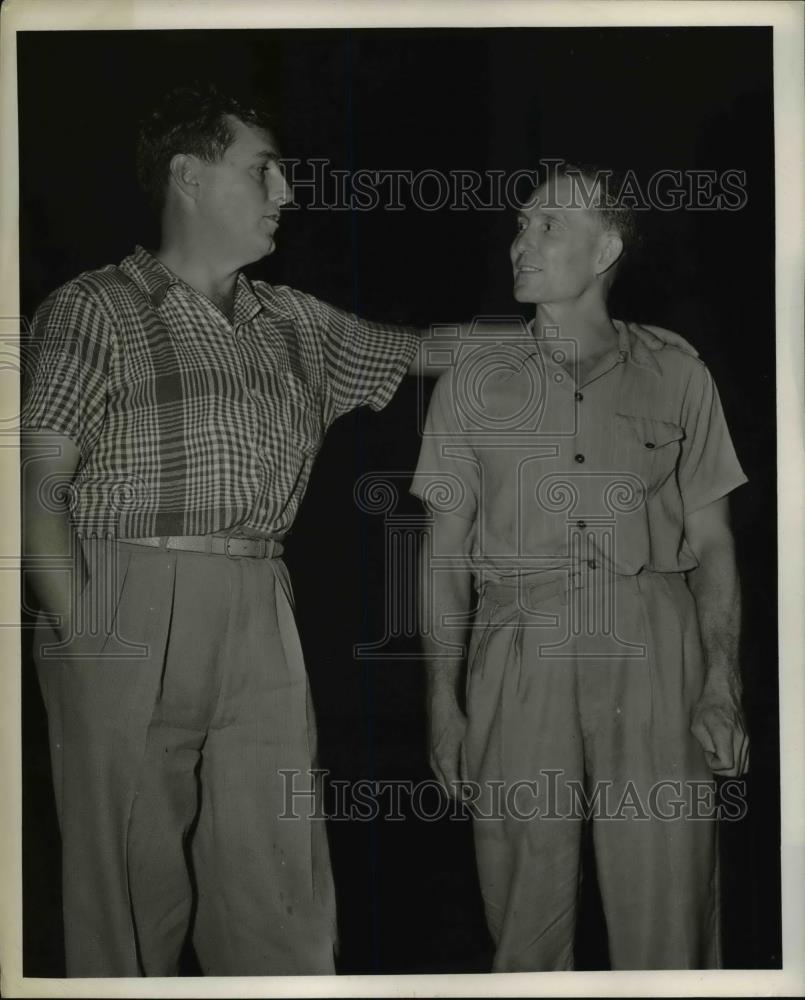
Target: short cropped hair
[[190, 119], [613, 210]]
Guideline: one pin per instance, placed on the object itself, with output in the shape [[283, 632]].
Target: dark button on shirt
[[520, 482]]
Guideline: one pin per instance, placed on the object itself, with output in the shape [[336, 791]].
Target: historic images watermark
[[547, 796], [326, 188]]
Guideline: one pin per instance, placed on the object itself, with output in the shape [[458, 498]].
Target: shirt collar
[[630, 347], [247, 304], [152, 275], [156, 279]]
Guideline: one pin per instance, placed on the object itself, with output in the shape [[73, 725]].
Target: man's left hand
[[655, 337], [718, 725]]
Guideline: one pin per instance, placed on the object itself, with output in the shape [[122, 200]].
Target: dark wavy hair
[[190, 119]]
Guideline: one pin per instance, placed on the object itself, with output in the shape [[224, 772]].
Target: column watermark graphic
[[506, 409]]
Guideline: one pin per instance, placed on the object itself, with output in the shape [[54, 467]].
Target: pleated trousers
[[182, 744], [582, 714]]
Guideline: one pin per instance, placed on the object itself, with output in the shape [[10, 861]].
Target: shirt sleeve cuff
[[408, 346], [701, 500]]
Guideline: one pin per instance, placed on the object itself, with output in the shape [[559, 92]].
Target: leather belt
[[232, 546], [538, 591], [547, 584]]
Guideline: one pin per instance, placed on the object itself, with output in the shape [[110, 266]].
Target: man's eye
[[520, 225]]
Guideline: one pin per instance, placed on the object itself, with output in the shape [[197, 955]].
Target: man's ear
[[609, 253], [184, 174]]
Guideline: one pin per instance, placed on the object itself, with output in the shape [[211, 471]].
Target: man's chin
[[523, 295], [260, 253]]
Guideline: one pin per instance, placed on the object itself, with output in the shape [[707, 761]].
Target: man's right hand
[[449, 601], [448, 726], [49, 462]]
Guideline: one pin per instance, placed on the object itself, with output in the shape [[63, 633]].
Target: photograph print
[[398, 500]]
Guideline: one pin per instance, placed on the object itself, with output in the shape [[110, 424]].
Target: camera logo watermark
[[497, 424]]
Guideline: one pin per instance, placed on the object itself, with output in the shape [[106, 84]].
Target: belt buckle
[[227, 552], [253, 541]]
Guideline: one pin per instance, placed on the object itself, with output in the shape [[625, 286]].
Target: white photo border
[[786, 18]]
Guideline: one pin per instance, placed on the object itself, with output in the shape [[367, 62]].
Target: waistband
[[540, 587], [232, 546]]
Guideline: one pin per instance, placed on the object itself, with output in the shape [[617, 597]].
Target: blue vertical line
[[359, 465]]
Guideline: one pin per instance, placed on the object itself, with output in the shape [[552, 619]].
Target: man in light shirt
[[578, 483]]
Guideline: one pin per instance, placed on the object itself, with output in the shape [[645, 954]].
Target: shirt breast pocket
[[648, 448]]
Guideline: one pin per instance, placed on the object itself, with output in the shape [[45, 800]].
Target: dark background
[[645, 99]]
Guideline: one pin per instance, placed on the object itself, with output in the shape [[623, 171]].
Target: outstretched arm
[[655, 337], [718, 721], [435, 354]]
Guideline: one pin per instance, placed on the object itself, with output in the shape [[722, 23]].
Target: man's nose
[[280, 190], [523, 242]]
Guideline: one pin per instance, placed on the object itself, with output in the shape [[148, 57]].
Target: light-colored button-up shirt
[[555, 473]]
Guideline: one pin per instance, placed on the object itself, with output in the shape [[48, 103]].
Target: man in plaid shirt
[[171, 422]]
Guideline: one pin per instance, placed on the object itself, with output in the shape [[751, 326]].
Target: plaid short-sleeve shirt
[[187, 423]]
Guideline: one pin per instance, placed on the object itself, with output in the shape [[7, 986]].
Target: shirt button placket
[[579, 458]]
